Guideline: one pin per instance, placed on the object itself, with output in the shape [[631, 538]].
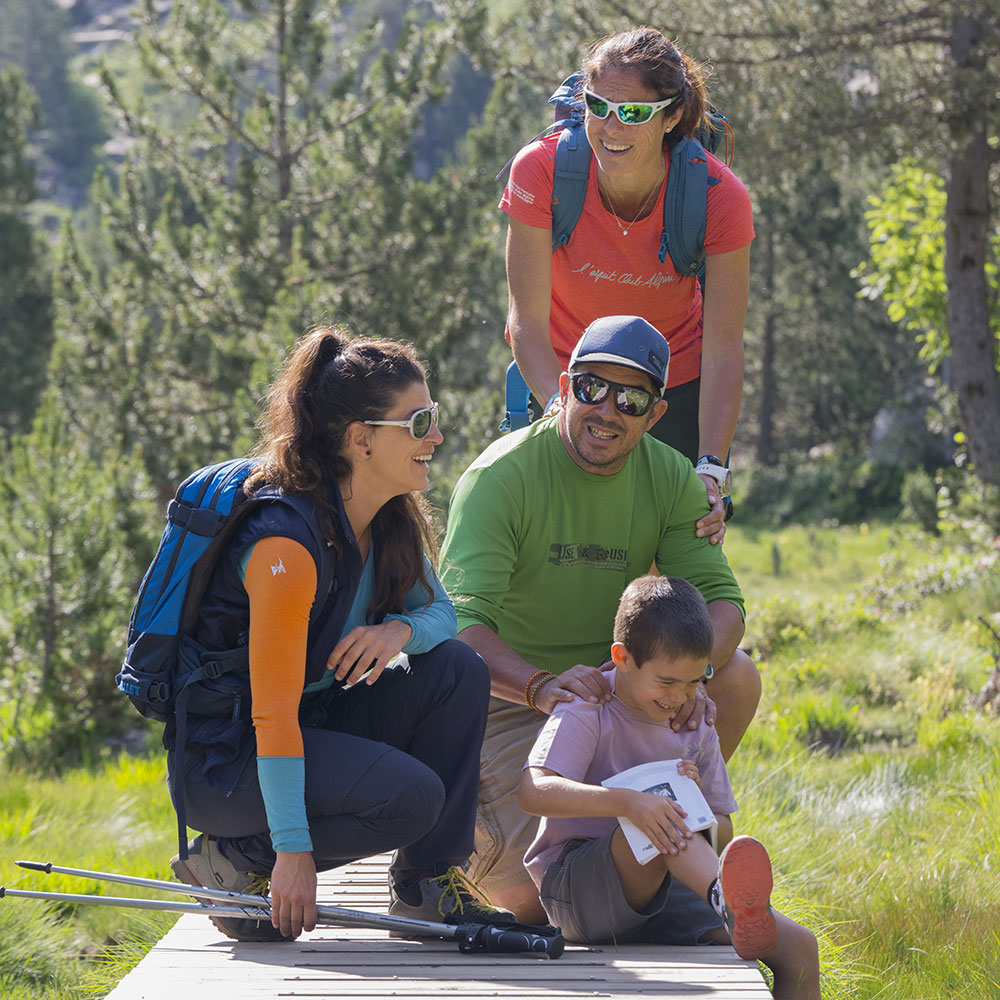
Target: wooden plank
[[196, 962]]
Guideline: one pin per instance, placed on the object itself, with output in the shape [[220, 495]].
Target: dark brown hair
[[663, 616], [661, 66], [329, 381]]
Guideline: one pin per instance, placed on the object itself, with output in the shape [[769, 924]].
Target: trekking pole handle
[[516, 938]]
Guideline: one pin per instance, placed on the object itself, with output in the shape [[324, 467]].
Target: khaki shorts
[[503, 832]]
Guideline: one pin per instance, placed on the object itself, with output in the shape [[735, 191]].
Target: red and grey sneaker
[[745, 880]]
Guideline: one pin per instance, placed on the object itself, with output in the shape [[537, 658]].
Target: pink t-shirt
[[601, 272], [588, 743]]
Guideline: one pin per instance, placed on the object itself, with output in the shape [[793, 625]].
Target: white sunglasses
[[419, 425], [629, 112]]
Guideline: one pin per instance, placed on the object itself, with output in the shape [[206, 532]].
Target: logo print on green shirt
[[591, 554]]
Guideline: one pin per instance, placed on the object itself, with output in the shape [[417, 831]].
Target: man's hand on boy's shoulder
[[690, 714], [580, 681]]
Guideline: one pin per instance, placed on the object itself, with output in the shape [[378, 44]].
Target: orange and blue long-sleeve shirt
[[280, 578]]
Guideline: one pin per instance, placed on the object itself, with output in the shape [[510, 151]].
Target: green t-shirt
[[540, 551]]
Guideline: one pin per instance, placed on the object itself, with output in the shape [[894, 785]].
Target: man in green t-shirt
[[546, 529]]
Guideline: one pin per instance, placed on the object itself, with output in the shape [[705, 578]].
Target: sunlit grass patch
[[811, 563], [37, 951], [899, 851], [116, 817]]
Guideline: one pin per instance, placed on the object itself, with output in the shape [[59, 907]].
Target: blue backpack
[[684, 203], [162, 663]]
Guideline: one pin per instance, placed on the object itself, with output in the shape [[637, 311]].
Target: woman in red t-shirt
[[610, 264]]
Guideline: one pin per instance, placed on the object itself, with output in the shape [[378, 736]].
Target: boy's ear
[[620, 656]]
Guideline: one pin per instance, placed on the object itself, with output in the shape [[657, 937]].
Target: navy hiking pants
[[393, 766]]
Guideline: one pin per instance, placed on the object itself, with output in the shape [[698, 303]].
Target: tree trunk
[[967, 214], [768, 380], [282, 152]]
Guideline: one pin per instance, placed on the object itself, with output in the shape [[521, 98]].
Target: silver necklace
[[642, 208]]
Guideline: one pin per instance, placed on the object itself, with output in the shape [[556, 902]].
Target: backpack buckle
[[158, 691], [200, 520], [213, 669]]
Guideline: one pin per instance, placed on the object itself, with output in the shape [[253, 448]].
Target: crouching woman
[[363, 715]]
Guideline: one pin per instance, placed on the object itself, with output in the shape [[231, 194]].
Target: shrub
[[776, 626], [837, 487], [969, 510], [919, 499], [822, 722]]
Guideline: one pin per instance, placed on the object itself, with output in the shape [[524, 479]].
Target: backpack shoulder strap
[[569, 180], [685, 208], [517, 397]]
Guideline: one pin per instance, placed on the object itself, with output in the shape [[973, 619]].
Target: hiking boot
[[206, 865], [449, 898], [745, 881]]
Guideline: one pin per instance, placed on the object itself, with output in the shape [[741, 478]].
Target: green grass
[[809, 564], [867, 773], [896, 852], [116, 817]]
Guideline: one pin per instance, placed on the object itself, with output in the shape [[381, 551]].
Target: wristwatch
[[709, 465]]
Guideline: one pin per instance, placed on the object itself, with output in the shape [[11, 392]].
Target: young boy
[[590, 882]]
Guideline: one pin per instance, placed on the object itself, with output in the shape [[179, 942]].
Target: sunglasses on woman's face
[[419, 425], [629, 113], [632, 400]]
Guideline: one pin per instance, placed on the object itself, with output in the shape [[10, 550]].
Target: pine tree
[[287, 198], [25, 290], [74, 535]]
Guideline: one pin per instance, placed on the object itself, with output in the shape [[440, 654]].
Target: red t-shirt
[[601, 272]]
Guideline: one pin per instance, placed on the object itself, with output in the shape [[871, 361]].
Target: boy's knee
[[810, 949], [802, 950]]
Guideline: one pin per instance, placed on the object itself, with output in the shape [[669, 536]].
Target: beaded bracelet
[[536, 687], [542, 681], [531, 680]]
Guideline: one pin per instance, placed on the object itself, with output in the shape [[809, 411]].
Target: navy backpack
[[162, 664]]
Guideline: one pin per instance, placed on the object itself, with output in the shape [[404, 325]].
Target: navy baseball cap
[[628, 341]]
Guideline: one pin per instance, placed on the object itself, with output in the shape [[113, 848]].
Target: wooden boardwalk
[[193, 961]]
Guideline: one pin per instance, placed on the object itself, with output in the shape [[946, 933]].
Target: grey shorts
[[582, 894]]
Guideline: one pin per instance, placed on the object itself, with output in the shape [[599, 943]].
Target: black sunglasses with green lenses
[[632, 400], [419, 425], [630, 112]]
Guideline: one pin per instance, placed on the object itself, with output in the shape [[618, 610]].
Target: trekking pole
[[170, 906], [513, 938]]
